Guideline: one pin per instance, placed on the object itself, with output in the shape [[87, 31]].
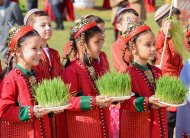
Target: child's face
[[95, 45], [43, 26], [102, 28], [145, 47], [123, 25], [30, 52]]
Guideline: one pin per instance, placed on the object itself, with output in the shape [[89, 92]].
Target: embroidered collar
[[27, 73], [144, 68]]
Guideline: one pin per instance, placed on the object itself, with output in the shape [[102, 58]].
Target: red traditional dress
[[49, 67], [84, 119], [172, 62], [117, 52], [16, 108], [67, 9], [137, 117], [102, 60]]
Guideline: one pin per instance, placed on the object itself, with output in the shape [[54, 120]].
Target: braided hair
[[79, 46]]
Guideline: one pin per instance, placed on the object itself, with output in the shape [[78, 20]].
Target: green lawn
[[59, 38]]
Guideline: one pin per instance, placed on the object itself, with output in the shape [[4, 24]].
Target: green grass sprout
[[170, 90], [114, 84], [52, 93], [177, 36]]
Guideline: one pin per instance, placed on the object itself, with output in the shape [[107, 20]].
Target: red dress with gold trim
[[84, 118], [16, 104], [137, 117], [49, 69], [172, 62], [116, 52]]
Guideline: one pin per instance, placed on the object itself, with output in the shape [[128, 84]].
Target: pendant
[[149, 76]]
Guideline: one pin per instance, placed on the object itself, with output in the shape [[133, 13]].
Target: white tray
[[173, 105], [121, 98], [57, 108]]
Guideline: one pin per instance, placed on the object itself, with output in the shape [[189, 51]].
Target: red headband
[[187, 34], [20, 34], [85, 27], [136, 31]]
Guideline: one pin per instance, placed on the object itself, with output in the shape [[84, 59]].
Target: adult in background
[[57, 14], [31, 4], [9, 12]]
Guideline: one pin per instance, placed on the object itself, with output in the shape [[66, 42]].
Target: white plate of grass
[[173, 105], [57, 108], [170, 91], [52, 94], [116, 86], [121, 98]]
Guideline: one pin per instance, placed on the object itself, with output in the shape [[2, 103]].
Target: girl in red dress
[[142, 115], [102, 59], [50, 64], [85, 118], [20, 117]]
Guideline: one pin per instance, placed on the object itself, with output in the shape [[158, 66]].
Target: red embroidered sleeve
[[9, 108], [77, 100]]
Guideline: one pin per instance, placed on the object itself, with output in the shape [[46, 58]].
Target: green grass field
[[59, 38]]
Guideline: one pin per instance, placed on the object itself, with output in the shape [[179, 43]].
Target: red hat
[[137, 28], [80, 25], [20, 32]]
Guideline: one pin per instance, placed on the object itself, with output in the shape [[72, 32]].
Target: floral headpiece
[[80, 25], [16, 33], [134, 29]]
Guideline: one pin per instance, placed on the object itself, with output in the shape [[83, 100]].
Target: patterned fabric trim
[[85, 102], [139, 104]]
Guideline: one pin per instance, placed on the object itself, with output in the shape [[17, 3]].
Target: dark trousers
[[57, 14], [56, 10], [171, 116], [31, 4]]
